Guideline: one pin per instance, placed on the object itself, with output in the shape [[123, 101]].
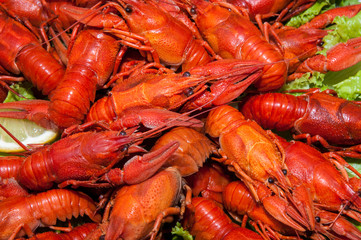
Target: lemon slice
[[26, 132]]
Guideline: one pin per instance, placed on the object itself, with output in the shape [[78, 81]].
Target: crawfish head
[[172, 90]]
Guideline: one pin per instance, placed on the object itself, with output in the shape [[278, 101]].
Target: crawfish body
[[21, 52], [162, 91], [246, 145], [334, 119], [88, 68], [232, 35], [138, 208], [22, 215], [329, 189], [75, 157], [209, 222]]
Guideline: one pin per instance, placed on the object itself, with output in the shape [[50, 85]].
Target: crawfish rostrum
[[143, 92]]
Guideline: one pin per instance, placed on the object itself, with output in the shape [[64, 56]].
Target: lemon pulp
[[26, 132]]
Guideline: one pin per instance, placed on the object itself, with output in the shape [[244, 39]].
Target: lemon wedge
[[26, 132]]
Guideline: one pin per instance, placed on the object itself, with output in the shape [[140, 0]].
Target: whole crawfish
[[80, 160], [42, 209], [206, 220], [251, 151], [330, 190], [317, 116], [138, 210], [151, 99], [232, 35]]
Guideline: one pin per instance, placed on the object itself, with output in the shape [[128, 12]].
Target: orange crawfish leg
[[134, 40], [240, 173]]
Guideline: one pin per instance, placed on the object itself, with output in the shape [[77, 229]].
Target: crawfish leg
[[23, 226], [162, 216]]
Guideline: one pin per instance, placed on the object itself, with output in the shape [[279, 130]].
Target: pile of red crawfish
[[144, 93]]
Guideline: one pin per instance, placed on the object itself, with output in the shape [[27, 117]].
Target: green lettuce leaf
[[308, 80], [23, 88], [344, 29], [179, 233], [349, 88]]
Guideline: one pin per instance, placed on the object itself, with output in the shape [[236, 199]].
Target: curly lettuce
[[23, 88], [344, 28], [348, 88], [180, 234]]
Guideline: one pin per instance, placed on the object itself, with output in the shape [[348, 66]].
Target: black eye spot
[[318, 219], [284, 172], [188, 92], [271, 180], [193, 10], [102, 237], [125, 148], [128, 9], [186, 74], [123, 133]]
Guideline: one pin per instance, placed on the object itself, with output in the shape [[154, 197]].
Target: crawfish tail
[[274, 110], [39, 67], [88, 68], [71, 100], [10, 166], [103, 109], [77, 233], [210, 222], [275, 68], [237, 198], [37, 172], [61, 204]]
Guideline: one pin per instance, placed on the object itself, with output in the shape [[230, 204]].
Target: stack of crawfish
[[144, 93]]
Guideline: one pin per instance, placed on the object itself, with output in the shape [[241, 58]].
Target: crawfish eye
[[186, 74], [102, 237], [193, 10], [122, 133], [318, 219], [284, 172], [125, 148], [271, 180], [188, 92], [128, 9]]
